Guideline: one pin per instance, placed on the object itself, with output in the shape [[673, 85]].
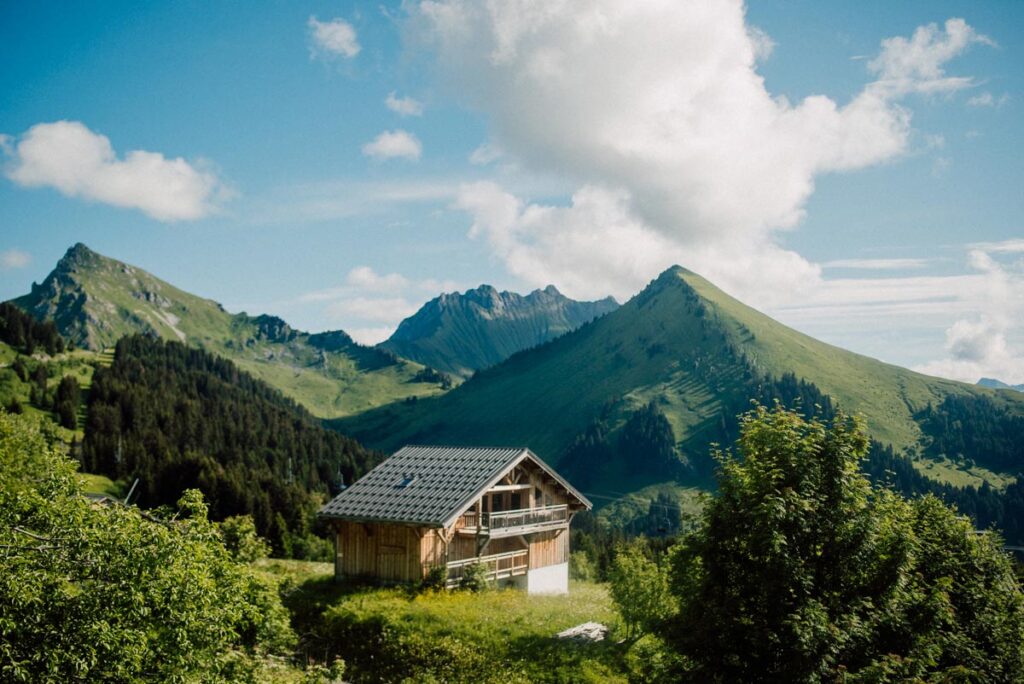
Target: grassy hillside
[[460, 333], [19, 373], [694, 352], [95, 301], [394, 635]]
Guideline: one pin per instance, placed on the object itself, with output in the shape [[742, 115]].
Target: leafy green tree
[[802, 572], [110, 593], [241, 540], [639, 588]]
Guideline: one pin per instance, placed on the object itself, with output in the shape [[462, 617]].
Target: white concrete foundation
[[553, 579]]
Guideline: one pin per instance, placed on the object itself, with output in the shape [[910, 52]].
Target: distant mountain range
[[621, 396], [992, 383], [462, 333], [95, 301], [683, 347]]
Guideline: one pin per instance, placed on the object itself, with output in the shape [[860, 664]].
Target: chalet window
[[538, 497], [517, 501]]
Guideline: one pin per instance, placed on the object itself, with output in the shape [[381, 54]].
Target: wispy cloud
[[13, 259], [344, 198], [403, 106], [987, 99], [1012, 246], [334, 38], [877, 264], [370, 305]]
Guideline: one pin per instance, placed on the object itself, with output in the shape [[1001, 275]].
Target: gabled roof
[[431, 485]]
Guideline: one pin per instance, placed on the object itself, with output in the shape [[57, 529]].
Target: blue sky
[[853, 169]]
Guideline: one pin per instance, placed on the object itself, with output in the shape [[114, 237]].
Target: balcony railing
[[504, 521], [499, 566]]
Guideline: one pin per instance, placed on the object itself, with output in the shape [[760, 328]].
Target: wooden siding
[[390, 553], [549, 548]]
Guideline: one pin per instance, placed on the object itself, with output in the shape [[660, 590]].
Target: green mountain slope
[[95, 301], [460, 333], [683, 346], [176, 417]]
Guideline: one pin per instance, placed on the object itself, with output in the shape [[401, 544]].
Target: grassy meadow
[[400, 635]]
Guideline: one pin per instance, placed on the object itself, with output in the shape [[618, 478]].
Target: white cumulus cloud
[[11, 259], [334, 37], [979, 345], [396, 144], [657, 112], [78, 162], [404, 106]]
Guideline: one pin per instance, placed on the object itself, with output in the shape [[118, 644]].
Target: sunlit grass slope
[[678, 344]]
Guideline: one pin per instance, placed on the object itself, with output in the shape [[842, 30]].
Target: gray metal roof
[[430, 485]]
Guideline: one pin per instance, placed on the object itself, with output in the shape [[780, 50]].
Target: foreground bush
[[109, 593], [802, 572]]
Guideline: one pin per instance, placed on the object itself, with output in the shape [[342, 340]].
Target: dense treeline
[[975, 428], [26, 334], [987, 506], [177, 418]]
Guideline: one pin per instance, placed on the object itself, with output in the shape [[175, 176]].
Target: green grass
[[79, 363], [619, 511], [102, 485], [385, 634], [960, 474]]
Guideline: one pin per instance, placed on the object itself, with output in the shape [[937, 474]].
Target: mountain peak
[[78, 255], [461, 333]]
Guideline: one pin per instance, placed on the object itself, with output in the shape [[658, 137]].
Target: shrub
[[474, 577], [109, 593], [436, 578], [238, 533]]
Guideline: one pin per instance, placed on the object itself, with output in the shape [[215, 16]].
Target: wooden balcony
[[499, 566], [512, 523]]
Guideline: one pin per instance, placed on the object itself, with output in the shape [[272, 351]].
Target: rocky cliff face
[[460, 333]]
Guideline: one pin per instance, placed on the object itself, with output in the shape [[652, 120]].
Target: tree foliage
[[26, 334], [802, 572], [177, 417], [66, 401], [109, 593], [977, 428], [639, 588]]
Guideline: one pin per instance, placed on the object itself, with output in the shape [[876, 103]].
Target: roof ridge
[[429, 484]]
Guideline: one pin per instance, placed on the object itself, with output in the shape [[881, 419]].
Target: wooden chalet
[[452, 507]]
